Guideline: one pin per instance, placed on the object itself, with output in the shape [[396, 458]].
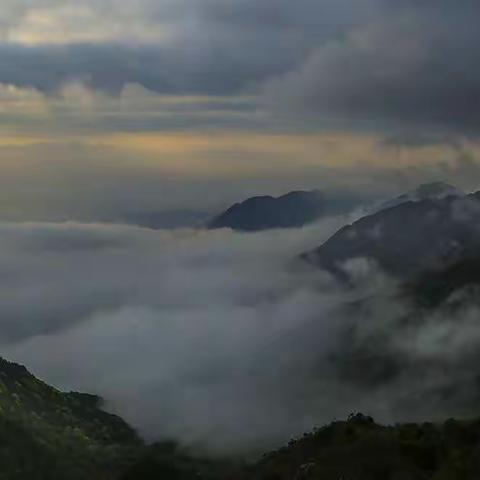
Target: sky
[[111, 108]]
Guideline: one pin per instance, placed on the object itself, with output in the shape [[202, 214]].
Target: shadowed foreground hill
[[359, 449], [47, 434]]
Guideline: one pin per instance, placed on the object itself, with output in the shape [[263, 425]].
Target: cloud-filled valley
[[172, 319], [225, 340]]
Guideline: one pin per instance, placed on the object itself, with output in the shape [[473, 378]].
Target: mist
[[225, 340]]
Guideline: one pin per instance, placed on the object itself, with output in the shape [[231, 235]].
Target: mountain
[[166, 461], [47, 434], [360, 449], [295, 209], [433, 190], [432, 289], [407, 239], [299, 208], [356, 449]]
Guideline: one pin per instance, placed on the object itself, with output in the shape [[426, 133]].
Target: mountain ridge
[[357, 448], [62, 435], [406, 239], [432, 190], [264, 212]]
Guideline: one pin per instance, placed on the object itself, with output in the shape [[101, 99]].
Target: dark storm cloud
[[418, 65], [360, 63], [321, 19], [109, 68], [216, 47]]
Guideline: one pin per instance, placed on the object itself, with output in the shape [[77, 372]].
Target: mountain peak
[[426, 191], [294, 209], [437, 189], [409, 238]]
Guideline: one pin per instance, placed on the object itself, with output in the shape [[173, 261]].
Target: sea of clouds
[[225, 340]]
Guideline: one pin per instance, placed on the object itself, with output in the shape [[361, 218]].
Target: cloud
[[166, 320], [201, 66], [111, 177], [221, 340], [345, 65], [169, 47], [351, 65], [415, 65]]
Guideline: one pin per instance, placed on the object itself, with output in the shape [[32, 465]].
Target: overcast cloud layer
[[112, 108], [359, 61]]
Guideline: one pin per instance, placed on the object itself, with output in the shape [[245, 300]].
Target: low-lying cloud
[[169, 323], [223, 340]]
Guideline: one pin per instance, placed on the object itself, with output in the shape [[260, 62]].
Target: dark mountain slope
[[47, 434], [294, 209], [426, 191], [166, 461], [432, 289], [359, 449], [408, 239]]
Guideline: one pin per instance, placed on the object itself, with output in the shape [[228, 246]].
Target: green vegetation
[[49, 435], [167, 461], [46, 434], [359, 449]]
